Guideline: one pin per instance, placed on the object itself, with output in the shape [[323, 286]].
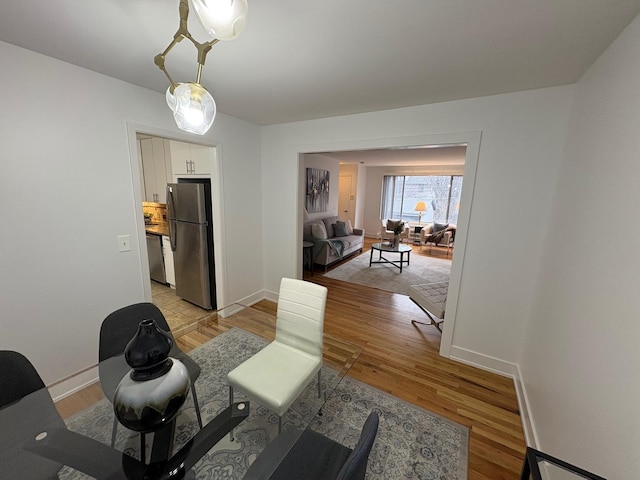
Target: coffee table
[[384, 247]]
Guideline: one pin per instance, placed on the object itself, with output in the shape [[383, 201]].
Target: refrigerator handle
[[172, 223], [172, 235], [170, 201]]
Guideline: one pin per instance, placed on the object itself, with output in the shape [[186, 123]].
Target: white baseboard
[[269, 295], [73, 384], [528, 426], [506, 369]]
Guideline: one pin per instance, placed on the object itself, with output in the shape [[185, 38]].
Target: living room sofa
[[331, 244]]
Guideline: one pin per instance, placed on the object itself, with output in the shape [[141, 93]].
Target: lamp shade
[[194, 109], [222, 19], [171, 99], [420, 207]]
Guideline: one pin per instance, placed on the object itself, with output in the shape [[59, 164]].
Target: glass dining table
[[34, 440]]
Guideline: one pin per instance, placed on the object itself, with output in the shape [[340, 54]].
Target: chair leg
[[113, 432], [195, 402], [143, 448], [320, 390], [434, 322], [279, 425], [231, 403]]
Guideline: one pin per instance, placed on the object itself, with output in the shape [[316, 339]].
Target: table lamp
[[420, 207]]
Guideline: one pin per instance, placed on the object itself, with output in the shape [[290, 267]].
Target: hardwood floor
[[397, 357]]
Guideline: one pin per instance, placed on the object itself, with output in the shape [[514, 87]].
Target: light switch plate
[[124, 243]]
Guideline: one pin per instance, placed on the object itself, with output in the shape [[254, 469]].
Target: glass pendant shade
[[194, 109], [171, 99], [222, 19]]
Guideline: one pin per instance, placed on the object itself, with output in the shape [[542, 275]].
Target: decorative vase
[[396, 239], [151, 394]]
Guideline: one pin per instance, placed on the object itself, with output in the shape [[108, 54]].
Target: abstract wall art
[[317, 190]]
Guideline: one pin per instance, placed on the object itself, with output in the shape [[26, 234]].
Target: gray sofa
[[335, 246]]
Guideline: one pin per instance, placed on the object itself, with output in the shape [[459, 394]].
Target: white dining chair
[[276, 375]]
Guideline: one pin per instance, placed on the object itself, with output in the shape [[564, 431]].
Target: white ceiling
[[306, 59], [432, 155]]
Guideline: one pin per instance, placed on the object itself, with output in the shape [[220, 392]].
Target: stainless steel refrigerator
[[191, 235]]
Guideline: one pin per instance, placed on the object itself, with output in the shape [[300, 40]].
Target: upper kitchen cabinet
[[156, 168], [190, 159]]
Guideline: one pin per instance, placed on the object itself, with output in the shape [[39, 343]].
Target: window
[[400, 193]]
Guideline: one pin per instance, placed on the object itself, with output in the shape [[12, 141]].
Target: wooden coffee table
[[384, 247]]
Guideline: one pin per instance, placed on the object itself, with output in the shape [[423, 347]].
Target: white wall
[[520, 153], [68, 192], [581, 357], [361, 197]]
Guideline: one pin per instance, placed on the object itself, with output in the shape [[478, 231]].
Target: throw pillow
[[340, 229], [391, 224], [439, 226], [349, 227], [328, 222], [318, 231]]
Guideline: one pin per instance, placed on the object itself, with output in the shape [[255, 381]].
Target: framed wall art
[[317, 190]]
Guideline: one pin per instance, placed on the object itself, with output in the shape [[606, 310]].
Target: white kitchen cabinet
[[156, 168], [169, 269], [200, 160], [190, 159]]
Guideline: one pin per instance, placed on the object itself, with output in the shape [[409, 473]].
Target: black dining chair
[[116, 331], [19, 381], [35, 442], [314, 456]]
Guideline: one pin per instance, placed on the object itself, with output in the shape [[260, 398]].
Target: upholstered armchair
[[442, 235], [387, 226]]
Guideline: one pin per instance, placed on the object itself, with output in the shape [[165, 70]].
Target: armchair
[[387, 226], [439, 235]]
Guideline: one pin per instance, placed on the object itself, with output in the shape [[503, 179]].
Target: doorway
[[210, 158], [346, 198], [471, 142]]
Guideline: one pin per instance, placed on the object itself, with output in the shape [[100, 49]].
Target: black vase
[[147, 353], [151, 394]]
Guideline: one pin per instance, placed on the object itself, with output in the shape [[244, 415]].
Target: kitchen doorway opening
[[192, 161]]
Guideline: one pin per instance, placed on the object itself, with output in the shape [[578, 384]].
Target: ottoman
[[432, 299]]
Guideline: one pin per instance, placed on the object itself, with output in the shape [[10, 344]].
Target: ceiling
[[431, 155], [307, 59]]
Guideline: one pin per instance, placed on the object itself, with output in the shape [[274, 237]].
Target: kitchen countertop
[[160, 228]]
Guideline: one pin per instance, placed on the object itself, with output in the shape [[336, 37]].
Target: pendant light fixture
[[192, 105]]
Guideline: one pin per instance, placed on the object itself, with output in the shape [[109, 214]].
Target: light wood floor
[[393, 355]]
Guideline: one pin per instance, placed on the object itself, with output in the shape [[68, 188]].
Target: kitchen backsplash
[[157, 210]]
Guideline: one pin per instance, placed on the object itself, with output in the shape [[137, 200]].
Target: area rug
[[387, 277], [411, 442]]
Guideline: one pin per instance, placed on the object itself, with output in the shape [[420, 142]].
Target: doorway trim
[[217, 198], [472, 141]]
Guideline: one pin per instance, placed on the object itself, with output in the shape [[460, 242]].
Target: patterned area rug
[[387, 277], [411, 442]]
